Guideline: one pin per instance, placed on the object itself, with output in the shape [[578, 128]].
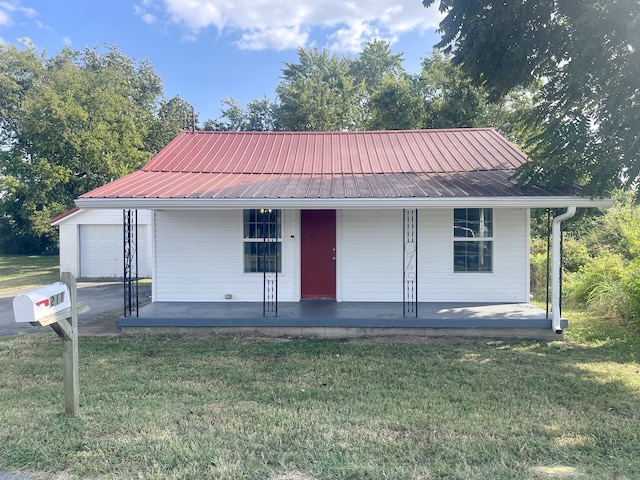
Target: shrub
[[631, 285], [598, 284], [601, 263], [538, 275], [574, 256]]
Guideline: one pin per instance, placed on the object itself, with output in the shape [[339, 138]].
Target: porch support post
[[130, 261], [410, 263], [270, 262], [546, 285], [556, 278]]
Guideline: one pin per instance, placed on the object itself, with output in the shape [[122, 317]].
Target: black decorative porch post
[[130, 261]]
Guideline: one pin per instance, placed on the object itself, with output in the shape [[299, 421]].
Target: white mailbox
[[42, 305]]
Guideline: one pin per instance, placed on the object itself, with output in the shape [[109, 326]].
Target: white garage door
[[101, 251]]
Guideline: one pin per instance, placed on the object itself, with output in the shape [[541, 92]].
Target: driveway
[[105, 299]]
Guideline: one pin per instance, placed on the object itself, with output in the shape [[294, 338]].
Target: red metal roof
[[66, 214], [423, 151], [370, 164]]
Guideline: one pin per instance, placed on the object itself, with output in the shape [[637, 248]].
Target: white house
[[388, 216], [92, 243]]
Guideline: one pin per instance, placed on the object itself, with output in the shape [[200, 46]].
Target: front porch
[[344, 319]]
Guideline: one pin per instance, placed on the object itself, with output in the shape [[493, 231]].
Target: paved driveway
[[103, 298]]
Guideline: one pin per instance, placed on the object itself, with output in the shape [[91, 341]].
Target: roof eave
[[338, 203], [63, 217]]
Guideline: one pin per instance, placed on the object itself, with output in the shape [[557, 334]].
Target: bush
[[601, 264], [595, 278], [631, 285], [574, 256], [608, 286]]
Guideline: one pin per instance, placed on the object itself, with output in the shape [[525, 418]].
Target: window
[[262, 240], [473, 239]]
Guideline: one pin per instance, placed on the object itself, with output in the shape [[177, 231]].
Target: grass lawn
[[172, 406], [28, 271]]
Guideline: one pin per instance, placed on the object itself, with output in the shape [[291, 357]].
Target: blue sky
[[206, 50]]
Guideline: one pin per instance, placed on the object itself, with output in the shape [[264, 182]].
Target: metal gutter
[[555, 268], [341, 203]]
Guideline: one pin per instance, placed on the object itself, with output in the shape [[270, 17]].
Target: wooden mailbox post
[[57, 305]]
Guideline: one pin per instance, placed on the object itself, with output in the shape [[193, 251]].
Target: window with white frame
[[472, 239], [262, 240]]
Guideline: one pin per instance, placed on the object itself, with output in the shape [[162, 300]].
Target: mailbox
[[39, 304]]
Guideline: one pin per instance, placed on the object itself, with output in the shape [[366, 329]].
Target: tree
[[257, 117], [441, 96], [260, 115], [173, 116], [396, 104], [451, 100], [586, 53], [375, 63], [373, 92], [69, 124], [319, 93]]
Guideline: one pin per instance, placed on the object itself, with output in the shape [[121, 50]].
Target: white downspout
[[555, 267]]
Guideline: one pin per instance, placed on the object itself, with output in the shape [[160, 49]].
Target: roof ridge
[[332, 132]]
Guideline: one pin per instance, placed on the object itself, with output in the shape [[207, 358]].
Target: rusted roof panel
[[398, 185], [382, 164]]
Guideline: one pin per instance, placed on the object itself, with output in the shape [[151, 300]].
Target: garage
[[101, 251], [91, 243]]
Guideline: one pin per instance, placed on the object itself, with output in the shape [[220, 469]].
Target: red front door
[[318, 251]]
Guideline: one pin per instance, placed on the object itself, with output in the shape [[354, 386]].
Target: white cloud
[[283, 24], [350, 38], [5, 19], [3, 41], [148, 18], [277, 38], [66, 41], [144, 14], [10, 9]]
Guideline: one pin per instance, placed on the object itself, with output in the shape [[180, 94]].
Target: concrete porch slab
[[329, 318]]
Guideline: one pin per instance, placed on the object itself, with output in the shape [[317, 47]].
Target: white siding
[[509, 280], [69, 249], [199, 258], [370, 259], [370, 255]]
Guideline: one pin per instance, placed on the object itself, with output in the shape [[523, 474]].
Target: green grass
[[17, 271], [171, 406]]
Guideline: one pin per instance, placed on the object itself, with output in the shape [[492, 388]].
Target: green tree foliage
[[374, 92], [319, 93], [376, 63], [587, 55], [257, 117], [451, 101], [69, 124], [395, 104], [173, 116]]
